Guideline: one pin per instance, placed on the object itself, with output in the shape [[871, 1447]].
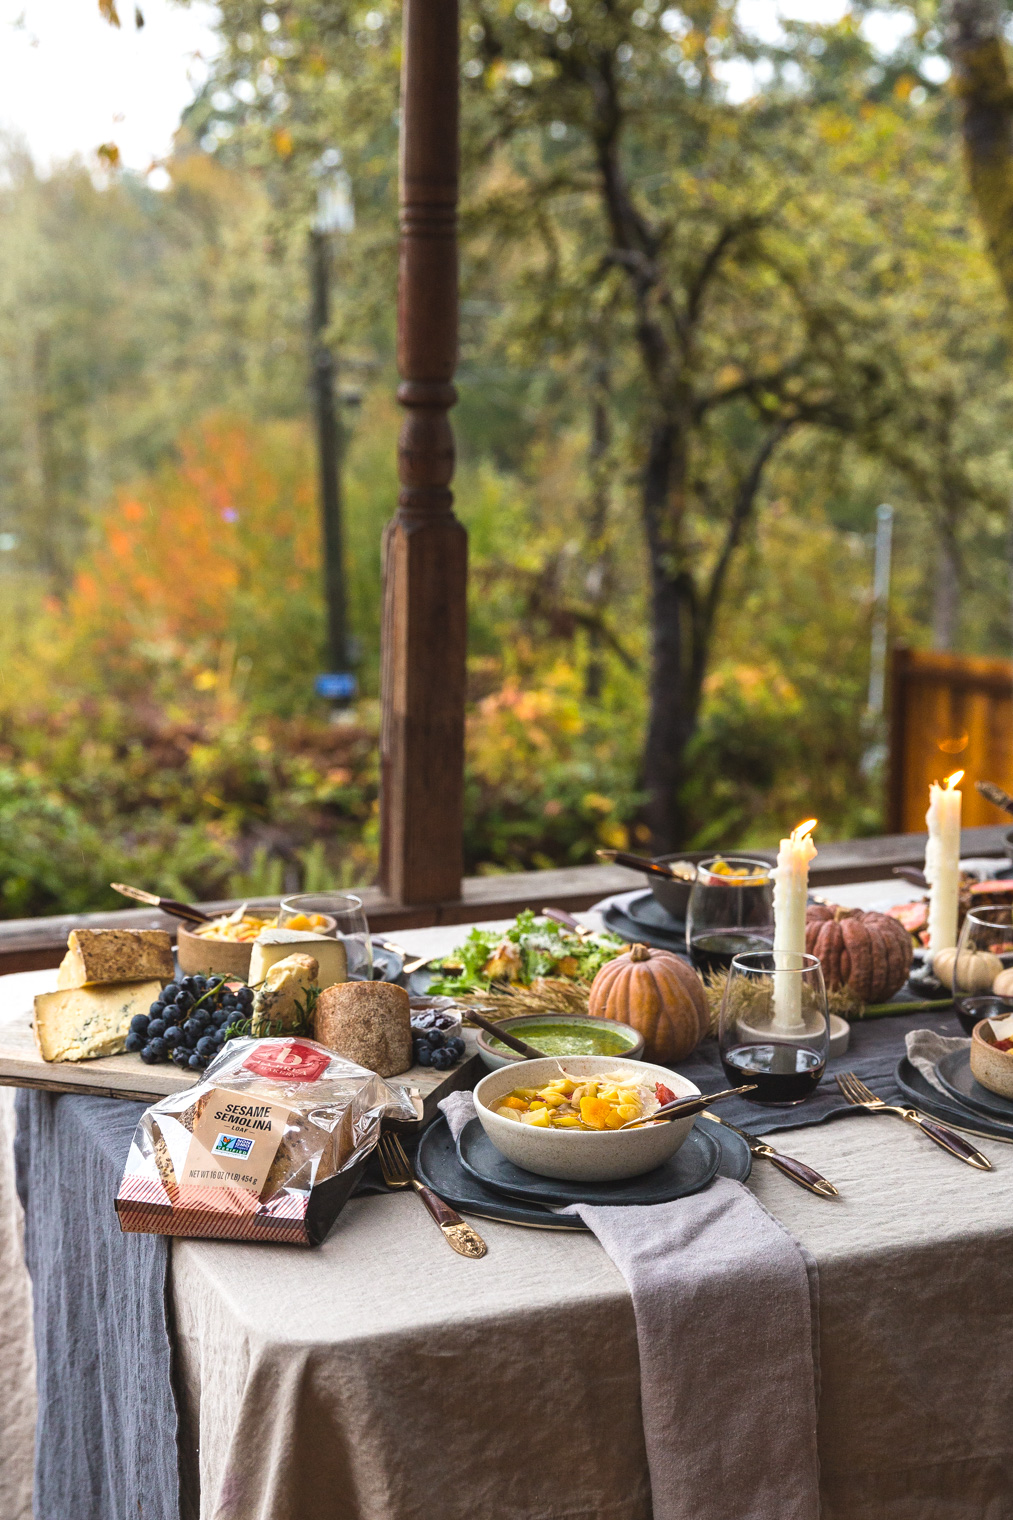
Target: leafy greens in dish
[[531, 948]]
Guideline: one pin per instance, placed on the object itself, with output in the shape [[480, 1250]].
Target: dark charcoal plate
[[438, 1165], [644, 919], [932, 1102], [690, 1169], [954, 1071]]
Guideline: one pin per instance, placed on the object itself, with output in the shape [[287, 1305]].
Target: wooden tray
[[128, 1077]]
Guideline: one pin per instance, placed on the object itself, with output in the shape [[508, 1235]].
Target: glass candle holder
[[774, 1028], [729, 914]]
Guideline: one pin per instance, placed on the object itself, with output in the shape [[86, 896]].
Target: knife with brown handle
[[798, 1171]]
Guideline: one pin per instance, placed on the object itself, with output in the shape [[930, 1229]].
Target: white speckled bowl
[[580, 1155]]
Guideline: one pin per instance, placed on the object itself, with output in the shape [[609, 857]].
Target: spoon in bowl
[[682, 1108]]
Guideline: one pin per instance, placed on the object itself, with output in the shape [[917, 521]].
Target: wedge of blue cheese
[[80, 1023], [281, 1001]]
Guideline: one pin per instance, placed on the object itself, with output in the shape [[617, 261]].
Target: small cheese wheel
[[369, 1023]]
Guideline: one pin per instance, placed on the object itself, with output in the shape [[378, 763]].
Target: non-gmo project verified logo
[[232, 1145]]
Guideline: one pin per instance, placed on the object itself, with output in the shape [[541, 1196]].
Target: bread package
[[368, 1022], [268, 1145]]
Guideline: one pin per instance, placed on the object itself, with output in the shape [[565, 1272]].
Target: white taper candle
[[942, 861], [791, 889]]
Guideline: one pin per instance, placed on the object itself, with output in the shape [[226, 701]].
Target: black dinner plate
[[954, 1071], [931, 1101], [438, 1165], [644, 919], [694, 1164]]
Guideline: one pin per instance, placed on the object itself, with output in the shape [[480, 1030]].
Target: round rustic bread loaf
[[369, 1023]]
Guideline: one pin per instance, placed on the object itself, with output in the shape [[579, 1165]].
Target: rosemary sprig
[[267, 1028]]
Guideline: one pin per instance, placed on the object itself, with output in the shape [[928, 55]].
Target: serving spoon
[[522, 1047], [682, 1108]]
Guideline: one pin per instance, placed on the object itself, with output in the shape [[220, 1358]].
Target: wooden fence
[[948, 712]]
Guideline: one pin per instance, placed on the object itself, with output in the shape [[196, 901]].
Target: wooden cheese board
[[128, 1077]]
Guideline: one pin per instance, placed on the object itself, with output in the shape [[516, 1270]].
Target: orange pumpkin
[[659, 994]]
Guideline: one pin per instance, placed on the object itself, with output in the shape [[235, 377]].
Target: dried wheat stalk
[[545, 995]]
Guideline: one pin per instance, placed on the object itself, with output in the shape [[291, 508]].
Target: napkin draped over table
[[726, 1306]]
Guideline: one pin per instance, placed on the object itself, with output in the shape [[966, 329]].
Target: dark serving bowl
[[672, 895]]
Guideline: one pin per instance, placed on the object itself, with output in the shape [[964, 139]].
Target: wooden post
[[425, 547]]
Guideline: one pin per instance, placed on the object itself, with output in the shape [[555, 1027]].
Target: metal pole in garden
[[334, 214]]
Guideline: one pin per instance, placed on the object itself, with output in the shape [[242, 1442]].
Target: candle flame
[[953, 781], [803, 830]]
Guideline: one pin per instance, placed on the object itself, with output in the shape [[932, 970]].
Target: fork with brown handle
[[856, 1092], [397, 1173]]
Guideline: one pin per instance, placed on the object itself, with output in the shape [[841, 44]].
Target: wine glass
[[345, 910], [774, 1029], [985, 948], [731, 911]]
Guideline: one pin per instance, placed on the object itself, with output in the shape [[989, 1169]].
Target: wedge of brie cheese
[[274, 945], [95, 956], [80, 1023], [281, 1001]]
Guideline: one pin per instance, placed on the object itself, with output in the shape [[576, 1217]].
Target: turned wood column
[[425, 547]]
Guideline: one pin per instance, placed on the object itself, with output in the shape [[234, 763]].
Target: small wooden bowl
[[992, 1068], [223, 957], [218, 957]]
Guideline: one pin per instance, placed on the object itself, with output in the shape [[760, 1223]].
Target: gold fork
[[397, 1173], [856, 1092]]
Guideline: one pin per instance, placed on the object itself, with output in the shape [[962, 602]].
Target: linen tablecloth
[[384, 1378]]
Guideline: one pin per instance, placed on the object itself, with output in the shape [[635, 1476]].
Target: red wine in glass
[[783, 1072], [715, 950]]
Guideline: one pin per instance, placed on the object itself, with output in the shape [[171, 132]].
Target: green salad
[[530, 948]]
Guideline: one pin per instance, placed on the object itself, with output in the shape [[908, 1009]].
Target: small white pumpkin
[[978, 969], [1003, 984]]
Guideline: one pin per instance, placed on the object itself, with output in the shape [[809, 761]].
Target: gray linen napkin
[[726, 1307], [925, 1049]]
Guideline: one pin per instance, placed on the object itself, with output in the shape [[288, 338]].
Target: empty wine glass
[[344, 919], [731, 911], [774, 1029], [984, 950]]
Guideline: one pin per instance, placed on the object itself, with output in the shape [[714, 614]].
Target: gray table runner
[[106, 1432]]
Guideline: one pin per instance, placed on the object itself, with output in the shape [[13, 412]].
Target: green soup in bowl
[[562, 1035]]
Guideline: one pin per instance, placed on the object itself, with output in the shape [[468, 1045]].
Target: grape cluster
[[187, 1024], [431, 1045]]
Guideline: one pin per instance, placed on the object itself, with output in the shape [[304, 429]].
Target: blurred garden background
[[787, 241]]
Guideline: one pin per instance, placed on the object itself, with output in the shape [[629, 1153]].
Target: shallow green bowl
[[629, 1045]]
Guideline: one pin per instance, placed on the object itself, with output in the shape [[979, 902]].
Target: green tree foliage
[[124, 316], [718, 277]]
